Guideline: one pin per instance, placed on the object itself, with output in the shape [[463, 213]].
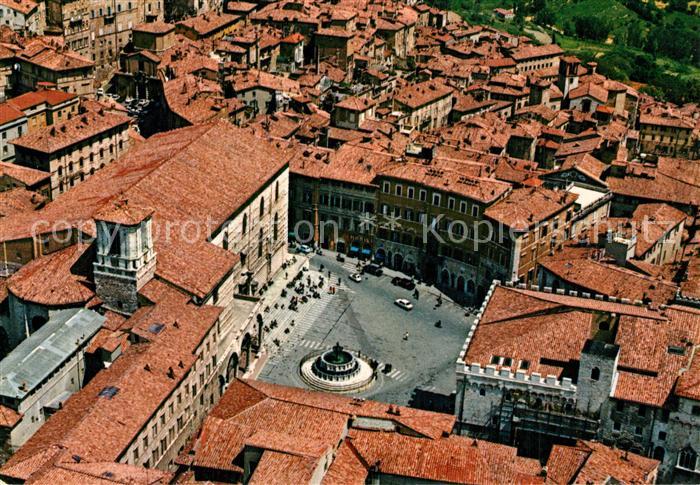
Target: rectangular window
[[463, 207], [475, 211], [436, 200], [386, 187], [451, 204], [409, 192], [398, 191], [422, 195]]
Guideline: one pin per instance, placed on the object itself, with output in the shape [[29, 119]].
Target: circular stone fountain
[[336, 370]]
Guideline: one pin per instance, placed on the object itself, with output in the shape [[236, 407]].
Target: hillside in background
[[656, 45]]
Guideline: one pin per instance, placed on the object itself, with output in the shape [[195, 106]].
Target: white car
[[404, 303], [356, 277], [304, 249]]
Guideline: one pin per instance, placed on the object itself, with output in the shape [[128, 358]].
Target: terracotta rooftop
[[23, 6], [154, 27], [354, 103], [648, 370], [59, 279], [417, 95], [592, 462], [481, 189], [9, 113], [121, 212], [24, 175], [528, 52], [608, 279], [184, 175], [209, 22], [19, 200], [52, 58], [51, 97], [526, 207], [294, 428], [156, 367], [81, 127]]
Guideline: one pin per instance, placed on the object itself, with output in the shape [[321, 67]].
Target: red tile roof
[[51, 97], [25, 175], [187, 176], [8, 417], [145, 376], [157, 27], [59, 279], [75, 130], [18, 200], [524, 208], [533, 325], [417, 95], [592, 462], [23, 6], [121, 212], [208, 22], [9, 113], [453, 459], [598, 277], [50, 57]]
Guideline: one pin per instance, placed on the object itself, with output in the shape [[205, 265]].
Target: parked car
[[406, 283], [340, 258], [304, 249], [404, 303], [373, 269], [356, 277]]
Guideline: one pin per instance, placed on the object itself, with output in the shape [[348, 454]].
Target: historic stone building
[[539, 367], [75, 149]]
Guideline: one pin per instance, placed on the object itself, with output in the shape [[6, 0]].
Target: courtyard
[[363, 317]]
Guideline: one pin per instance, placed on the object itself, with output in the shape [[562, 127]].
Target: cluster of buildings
[[512, 176]]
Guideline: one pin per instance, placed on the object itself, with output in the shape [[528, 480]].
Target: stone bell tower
[[125, 259]]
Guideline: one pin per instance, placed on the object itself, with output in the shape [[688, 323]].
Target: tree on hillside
[[545, 16], [635, 35], [592, 27]]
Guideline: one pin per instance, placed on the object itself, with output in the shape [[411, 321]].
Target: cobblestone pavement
[[362, 316]]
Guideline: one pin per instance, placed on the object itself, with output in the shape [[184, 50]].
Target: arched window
[[262, 206], [595, 374], [688, 458], [245, 224]]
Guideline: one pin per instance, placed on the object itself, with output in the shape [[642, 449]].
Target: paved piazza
[[362, 316]]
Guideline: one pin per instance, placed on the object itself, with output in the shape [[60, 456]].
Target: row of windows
[[340, 202], [436, 199], [175, 405]]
